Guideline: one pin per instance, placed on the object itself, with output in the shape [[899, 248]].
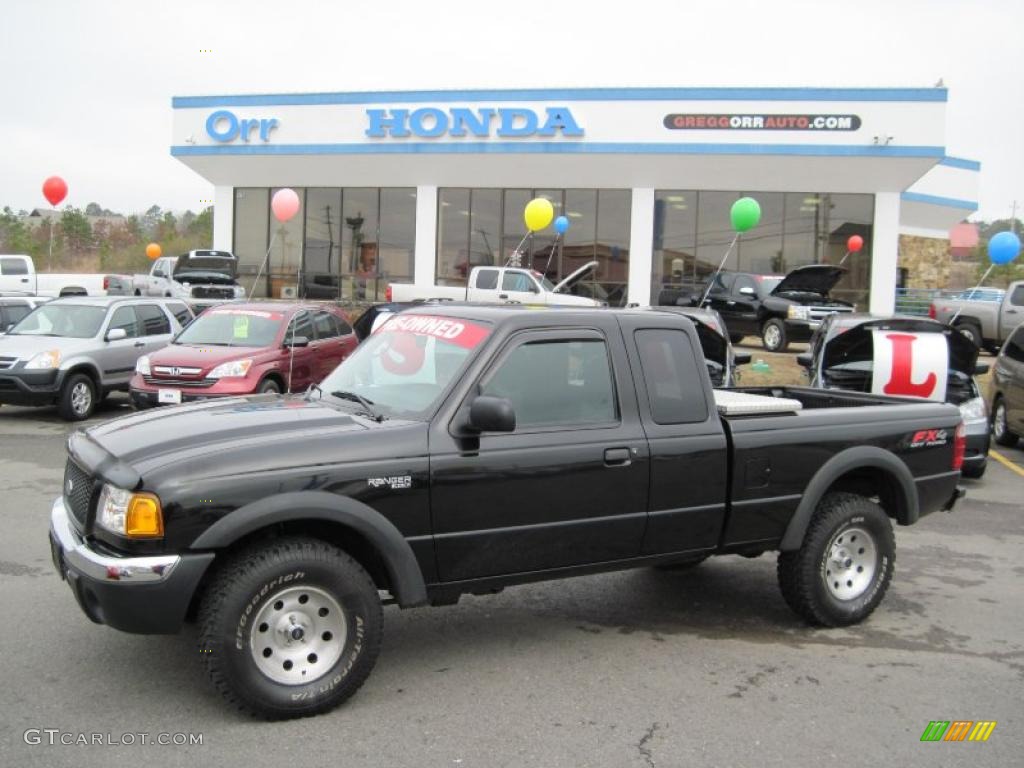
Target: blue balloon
[[1003, 248], [561, 225]]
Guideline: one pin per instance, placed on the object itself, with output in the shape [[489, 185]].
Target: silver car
[[74, 351]]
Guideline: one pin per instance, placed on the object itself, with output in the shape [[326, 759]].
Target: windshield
[[768, 284], [73, 321], [404, 367], [545, 284], [232, 328]]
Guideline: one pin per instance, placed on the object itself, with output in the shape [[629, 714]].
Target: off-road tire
[[77, 399], [773, 336], [252, 583], [803, 573]]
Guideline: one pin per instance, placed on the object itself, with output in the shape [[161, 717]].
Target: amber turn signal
[[144, 519]]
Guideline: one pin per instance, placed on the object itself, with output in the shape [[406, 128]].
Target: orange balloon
[[153, 251]]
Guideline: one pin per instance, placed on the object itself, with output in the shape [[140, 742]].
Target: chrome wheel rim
[[81, 398], [850, 563], [772, 336], [999, 421], [298, 635]]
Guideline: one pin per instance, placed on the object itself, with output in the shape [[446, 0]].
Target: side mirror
[[746, 290], [741, 358], [979, 369], [492, 414], [116, 334], [804, 360], [297, 341]]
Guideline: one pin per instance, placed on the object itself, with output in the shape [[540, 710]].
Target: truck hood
[[852, 344], [812, 278], [576, 276], [196, 263], [260, 432]]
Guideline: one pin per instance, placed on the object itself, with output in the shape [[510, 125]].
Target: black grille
[[163, 381], [77, 491], [208, 292]]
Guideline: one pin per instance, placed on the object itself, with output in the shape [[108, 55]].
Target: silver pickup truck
[[987, 323]]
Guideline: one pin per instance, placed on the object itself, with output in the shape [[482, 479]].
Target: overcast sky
[[86, 86]]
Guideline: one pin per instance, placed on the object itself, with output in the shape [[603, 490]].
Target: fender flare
[[403, 569], [80, 365], [858, 457]]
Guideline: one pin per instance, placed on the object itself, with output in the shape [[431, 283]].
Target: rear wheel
[[773, 336], [290, 629], [1000, 429], [972, 332], [842, 570], [77, 398]]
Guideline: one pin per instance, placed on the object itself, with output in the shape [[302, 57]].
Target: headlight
[[796, 312], [44, 360], [136, 515], [974, 410], [142, 365], [234, 369], [239, 292]]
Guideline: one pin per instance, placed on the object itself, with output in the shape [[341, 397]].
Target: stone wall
[[927, 261]]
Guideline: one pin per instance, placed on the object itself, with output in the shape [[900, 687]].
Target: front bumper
[[801, 330], [22, 387], [145, 595], [142, 399]]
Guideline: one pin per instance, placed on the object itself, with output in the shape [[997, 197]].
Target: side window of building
[[516, 281], [181, 313], [154, 321], [671, 376], [487, 278], [124, 318], [1015, 345], [326, 326], [576, 388], [13, 267], [302, 325]]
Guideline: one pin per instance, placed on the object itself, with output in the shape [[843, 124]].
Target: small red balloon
[[55, 190], [855, 243]]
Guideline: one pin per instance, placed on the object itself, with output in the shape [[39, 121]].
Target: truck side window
[[13, 267], [154, 321], [302, 325], [487, 278], [742, 281], [555, 383], [672, 377], [1017, 297], [124, 317], [181, 313], [1015, 346], [517, 281]]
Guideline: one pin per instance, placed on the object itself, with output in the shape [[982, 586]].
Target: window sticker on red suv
[[247, 312], [459, 332]]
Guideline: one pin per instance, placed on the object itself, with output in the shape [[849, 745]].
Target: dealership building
[[421, 186]]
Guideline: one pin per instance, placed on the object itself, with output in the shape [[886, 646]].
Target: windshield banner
[[910, 364], [459, 332]]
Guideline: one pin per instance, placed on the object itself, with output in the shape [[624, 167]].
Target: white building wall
[[223, 218], [424, 266], [641, 246], [884, 252]]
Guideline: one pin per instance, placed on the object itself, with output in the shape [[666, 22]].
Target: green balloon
[[745, 214]]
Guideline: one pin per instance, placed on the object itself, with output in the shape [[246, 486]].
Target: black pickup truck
[[463, 449]]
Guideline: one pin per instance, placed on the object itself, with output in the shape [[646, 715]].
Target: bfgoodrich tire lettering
[[244, 589], [814, 579]]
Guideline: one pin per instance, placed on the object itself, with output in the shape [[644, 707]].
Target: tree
[[14, 235], [93, 209], [202, 226], [75, 230]]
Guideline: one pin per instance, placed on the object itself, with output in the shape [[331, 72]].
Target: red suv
[[241, 349]]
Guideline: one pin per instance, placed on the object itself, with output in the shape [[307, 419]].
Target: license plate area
[[169, 396]]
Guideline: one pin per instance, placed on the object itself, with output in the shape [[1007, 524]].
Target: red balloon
[[55, 190], [855, 243]]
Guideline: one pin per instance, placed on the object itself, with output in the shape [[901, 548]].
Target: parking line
[[1005, 462]]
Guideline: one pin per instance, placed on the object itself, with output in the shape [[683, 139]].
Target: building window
[[252, 220], [692, 232], [483, 227]]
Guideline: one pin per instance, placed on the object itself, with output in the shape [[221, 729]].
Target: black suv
[[778, 309]]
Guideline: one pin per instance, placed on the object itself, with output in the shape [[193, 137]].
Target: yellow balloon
[[538, 214]]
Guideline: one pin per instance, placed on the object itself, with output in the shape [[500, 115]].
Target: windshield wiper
[[356, 397]]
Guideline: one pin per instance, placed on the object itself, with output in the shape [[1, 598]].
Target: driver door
[[517, 286], [117, 358], [741, 306]]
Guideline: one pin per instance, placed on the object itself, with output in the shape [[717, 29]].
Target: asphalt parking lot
[[642, 668]]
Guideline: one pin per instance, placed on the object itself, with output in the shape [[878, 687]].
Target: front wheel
[[269, 386], [1000, 428], [972, 332], [842, 570], [773, 336], [290, 629], [77, 398]]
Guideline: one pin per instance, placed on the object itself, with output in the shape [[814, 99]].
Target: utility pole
[[1013, 218]]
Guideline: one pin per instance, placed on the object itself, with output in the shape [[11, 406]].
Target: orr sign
[[762, 122]]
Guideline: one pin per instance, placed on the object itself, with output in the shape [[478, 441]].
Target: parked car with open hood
[[74, 351], [843, 355], [243, 349], [778, 309], [198, 274]]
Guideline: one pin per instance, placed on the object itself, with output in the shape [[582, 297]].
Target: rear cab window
[[671, 376], [487, 278], [11, 266]]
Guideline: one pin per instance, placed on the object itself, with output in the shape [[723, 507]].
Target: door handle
[[502, 295], [616, 457], [25, 280], [730, 303], [139, 344], [1009, 311]]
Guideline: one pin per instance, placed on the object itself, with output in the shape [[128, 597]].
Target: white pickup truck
[[197, 274], [496, 285], [18, 275]]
